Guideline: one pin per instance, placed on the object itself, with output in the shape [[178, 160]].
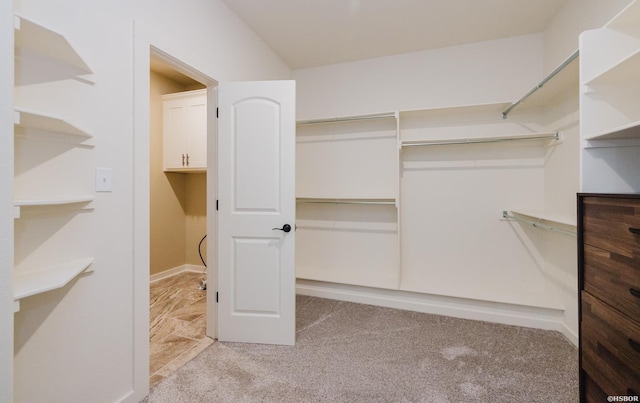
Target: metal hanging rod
[[347, 201], [347, 118], [548, 77], [540, 136], [536, 224]]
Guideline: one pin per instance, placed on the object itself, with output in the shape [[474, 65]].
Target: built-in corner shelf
[[48, 278], [37, 45], [46, 122]]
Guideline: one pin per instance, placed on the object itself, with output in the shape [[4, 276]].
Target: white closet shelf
[[200, 170], [326, 200], [38, 39], [53, 201], [623, 72], [48, 278], [478, 140], [547, 216], [628, 131], [43, 121], [553, 86], [547, 223], [348, 118], [458, 110]]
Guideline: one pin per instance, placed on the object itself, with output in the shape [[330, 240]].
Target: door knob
[[285, 228]]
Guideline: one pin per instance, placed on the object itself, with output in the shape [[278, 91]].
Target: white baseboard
[[509, 314], [177, 270]]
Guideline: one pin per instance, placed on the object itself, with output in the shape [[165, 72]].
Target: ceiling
[[308, 33]]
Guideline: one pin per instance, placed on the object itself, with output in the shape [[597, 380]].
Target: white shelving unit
[[347, 210], [43, 55], [337, 208], [610, 106]]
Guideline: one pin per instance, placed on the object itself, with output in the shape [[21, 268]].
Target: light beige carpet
[[348, 352]]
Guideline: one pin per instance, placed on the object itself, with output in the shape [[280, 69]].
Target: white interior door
[[256, 212]]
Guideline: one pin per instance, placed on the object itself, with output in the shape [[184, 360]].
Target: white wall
[[493, 71], [77, 344], [6, 202], [561, 35]]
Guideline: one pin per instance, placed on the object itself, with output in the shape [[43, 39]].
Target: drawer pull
[[634, 292], [634, 344], [635, 231]]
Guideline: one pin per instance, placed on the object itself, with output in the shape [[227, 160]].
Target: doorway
[[178, 228]]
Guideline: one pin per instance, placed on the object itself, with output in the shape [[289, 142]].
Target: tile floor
[[177, 323]]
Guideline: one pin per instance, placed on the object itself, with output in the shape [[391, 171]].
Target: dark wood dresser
[[609, 287]]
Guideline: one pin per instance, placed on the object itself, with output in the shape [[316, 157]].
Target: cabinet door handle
[[187, 159], [634, 344], [634, 231], [182, 159], [634, 292]]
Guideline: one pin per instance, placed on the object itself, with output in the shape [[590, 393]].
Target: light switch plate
[[104, 180]]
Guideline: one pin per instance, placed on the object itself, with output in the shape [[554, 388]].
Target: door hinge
[[216, 205], [216, 113], [216, 296]]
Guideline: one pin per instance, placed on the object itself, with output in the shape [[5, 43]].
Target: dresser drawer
[[612, 224], [592, 392], [613, 278], [610, 347]]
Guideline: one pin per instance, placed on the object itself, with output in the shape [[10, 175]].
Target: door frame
[[143, 49]]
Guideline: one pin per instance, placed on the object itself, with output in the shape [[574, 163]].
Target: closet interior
[[403, 200]]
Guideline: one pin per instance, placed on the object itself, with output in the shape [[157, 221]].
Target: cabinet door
[[174, 133], [196, 142]]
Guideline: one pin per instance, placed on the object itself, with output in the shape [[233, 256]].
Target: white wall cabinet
[[50, 185], [185, 131]]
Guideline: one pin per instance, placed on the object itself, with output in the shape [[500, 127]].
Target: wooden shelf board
[[53, 201], [48, 278], [42, 121]]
